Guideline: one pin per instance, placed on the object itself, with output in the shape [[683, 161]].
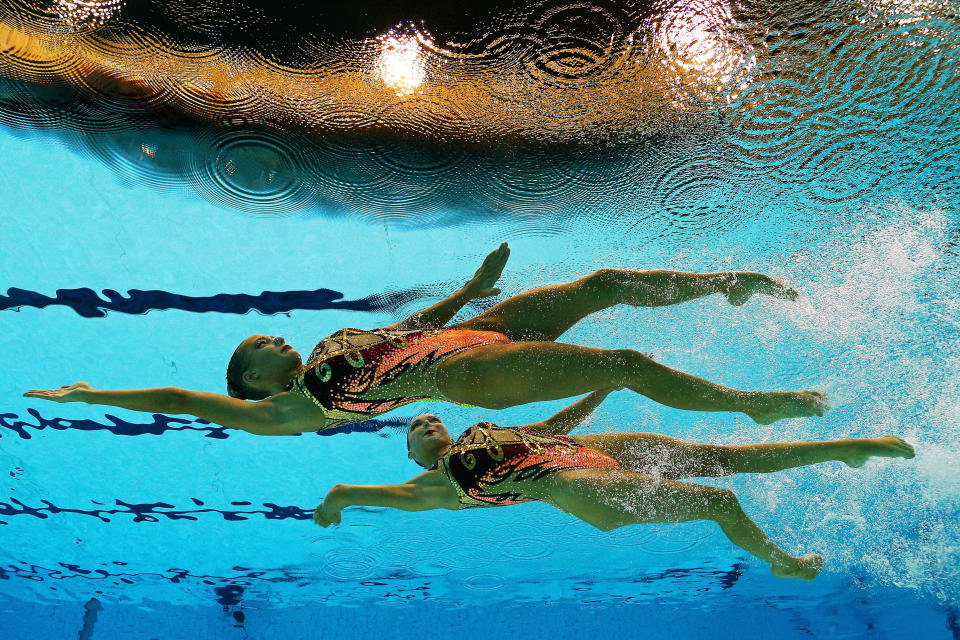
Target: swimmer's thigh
[[611, 499], [545, 313]]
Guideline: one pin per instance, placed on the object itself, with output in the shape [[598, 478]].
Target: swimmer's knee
[[724, 504], [630, 358], [601, 524], [605, 526], [602, 280]]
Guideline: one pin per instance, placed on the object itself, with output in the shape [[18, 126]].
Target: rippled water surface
[[170, 167], [529, 109]]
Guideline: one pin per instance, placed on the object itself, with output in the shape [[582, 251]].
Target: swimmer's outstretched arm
[[429, 490], [481, 285], [565, 421], [282, 414]]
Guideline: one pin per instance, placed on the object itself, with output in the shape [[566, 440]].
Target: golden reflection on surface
[[400, 63], [700, 42], [513, 89]]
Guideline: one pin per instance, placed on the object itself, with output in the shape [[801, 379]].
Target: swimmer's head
[[261, 366], [427, 440]]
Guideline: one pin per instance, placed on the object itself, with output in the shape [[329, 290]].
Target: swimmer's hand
[[481, 285], [76, 392], [327, 513]]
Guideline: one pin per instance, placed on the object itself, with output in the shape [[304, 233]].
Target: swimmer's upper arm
[[282, 414]]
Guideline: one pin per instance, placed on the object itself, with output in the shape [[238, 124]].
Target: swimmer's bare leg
[[545, 313], [608, 500], [500, 376], [663, 456]]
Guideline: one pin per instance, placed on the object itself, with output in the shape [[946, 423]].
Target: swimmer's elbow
[[260, 418], [175, 400]]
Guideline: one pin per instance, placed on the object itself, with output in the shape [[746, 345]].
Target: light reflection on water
[[400, 61]]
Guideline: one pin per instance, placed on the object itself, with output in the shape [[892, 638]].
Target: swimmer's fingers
[[325, 517], [46, 394], [319, 517], [66, 393]]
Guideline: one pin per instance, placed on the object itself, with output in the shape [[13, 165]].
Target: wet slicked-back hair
[[236, 387]]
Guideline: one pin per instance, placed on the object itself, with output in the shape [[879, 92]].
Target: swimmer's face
[[427, 438], [268, 358]]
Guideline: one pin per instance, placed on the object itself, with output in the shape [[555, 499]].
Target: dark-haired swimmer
[[503, 357], [609, 480]]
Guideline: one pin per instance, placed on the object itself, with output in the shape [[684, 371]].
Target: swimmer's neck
[[432, 461]]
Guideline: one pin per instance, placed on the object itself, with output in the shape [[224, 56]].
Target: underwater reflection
[[531, 109], [544, 72]]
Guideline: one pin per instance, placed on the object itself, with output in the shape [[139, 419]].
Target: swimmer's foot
[[862, 450], [743, 284], [780, 405], [806, 567]]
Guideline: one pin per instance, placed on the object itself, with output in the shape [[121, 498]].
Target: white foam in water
[[938, 468], [869, 277], [878, 313]]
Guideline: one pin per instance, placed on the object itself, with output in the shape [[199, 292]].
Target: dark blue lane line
[[37, 573], [229, 590], [729, 578], [162, 423], [87, 303], [155, 511]]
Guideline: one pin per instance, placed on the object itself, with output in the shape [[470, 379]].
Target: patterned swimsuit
[[491, 466], [355, 375]]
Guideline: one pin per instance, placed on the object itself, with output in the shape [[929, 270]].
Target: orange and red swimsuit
[[356, 375], [491, 466]]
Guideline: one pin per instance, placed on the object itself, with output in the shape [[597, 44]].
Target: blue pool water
[[819, 145]]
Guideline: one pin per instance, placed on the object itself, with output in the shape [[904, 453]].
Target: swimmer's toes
[[813, 565], [806, 567], [904, 448], [885, 447], [819, 402], [784, 292], [792, 404]]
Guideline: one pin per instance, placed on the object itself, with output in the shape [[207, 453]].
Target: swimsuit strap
[[341, 344], [481, 435]]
